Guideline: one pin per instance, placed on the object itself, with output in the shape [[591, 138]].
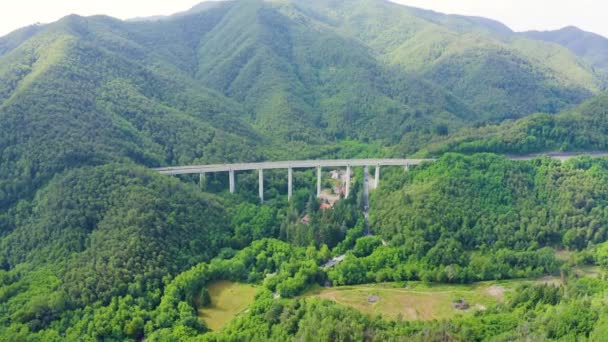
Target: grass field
[[228, 299], [418, 301]]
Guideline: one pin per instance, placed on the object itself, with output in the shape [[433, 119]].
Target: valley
[[302, 170]]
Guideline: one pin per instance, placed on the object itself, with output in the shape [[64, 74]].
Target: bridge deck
[[302, 164], [296, 164]]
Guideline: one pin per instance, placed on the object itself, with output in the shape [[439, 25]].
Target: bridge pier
[[377, 176], [202, 180], [261, 186], [318, 181], [347, 182], [231, 180], [289, 183], [202, 170]]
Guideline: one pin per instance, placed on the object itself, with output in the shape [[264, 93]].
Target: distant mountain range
[[251, 80], [96, 246], [591, 47]]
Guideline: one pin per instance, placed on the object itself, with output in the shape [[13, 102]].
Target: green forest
[[121, 253], [582, 128], [97, 246]]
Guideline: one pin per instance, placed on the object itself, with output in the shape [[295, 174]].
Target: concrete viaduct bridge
[[202, 170], [319, 164]]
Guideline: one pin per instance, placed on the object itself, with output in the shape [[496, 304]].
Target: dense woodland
[[580, 129], [96, 246], [461, 219]]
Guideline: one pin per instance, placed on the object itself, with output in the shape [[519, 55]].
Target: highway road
[[295, 164], [302, 164]]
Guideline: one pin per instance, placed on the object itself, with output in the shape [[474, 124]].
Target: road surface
[[301, 164], [294, 164]]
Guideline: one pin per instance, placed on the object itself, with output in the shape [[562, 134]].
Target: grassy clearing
[[588, 271], [228, 299], [418, 301], [563, 255]]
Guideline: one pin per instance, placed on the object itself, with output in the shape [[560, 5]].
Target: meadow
[[419, 301], [228, 299]]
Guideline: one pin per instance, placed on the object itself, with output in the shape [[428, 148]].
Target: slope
[[591, 47], [500, 74], [100, 232], [305, 81], [92, 244], [290, 73], [67, 102], [583, 128]]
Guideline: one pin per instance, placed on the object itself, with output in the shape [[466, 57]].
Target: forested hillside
[[469, 57], [512, 211], [231, 81], [94, 245], [592, 47], [104, 252], [583, 128]]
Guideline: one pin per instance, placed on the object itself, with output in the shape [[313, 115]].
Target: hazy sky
[[520, 15]]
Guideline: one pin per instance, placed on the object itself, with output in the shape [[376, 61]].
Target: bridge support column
[[231, 180], [289, 183], [347, 182], [261, 186], [318, 181], [377, 176], [202, 180], [406, 167]]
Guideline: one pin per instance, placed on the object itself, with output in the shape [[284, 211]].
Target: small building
[[339, 190], [305, 219], [339, 175], [325, 205]]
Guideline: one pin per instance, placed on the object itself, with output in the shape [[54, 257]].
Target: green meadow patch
[[228, 299], [419, 301]]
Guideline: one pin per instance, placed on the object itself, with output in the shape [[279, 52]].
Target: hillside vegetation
[[583, 128], [234, 80], [104, 251], [94, 245], [592, 47]]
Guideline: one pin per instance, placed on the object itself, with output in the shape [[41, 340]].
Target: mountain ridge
[[96, 245], [253, 74], [590, 46]]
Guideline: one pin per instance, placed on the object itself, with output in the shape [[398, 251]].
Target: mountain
[[306, 81], [469, 57], [591, 47], [584, 128], [114, 224], [78, 94], [17, 37], [462, 23], [216, 82], [96, 246], [203, 6], [253, 80]]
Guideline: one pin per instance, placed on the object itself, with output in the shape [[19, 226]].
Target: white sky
[[590, 15]]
